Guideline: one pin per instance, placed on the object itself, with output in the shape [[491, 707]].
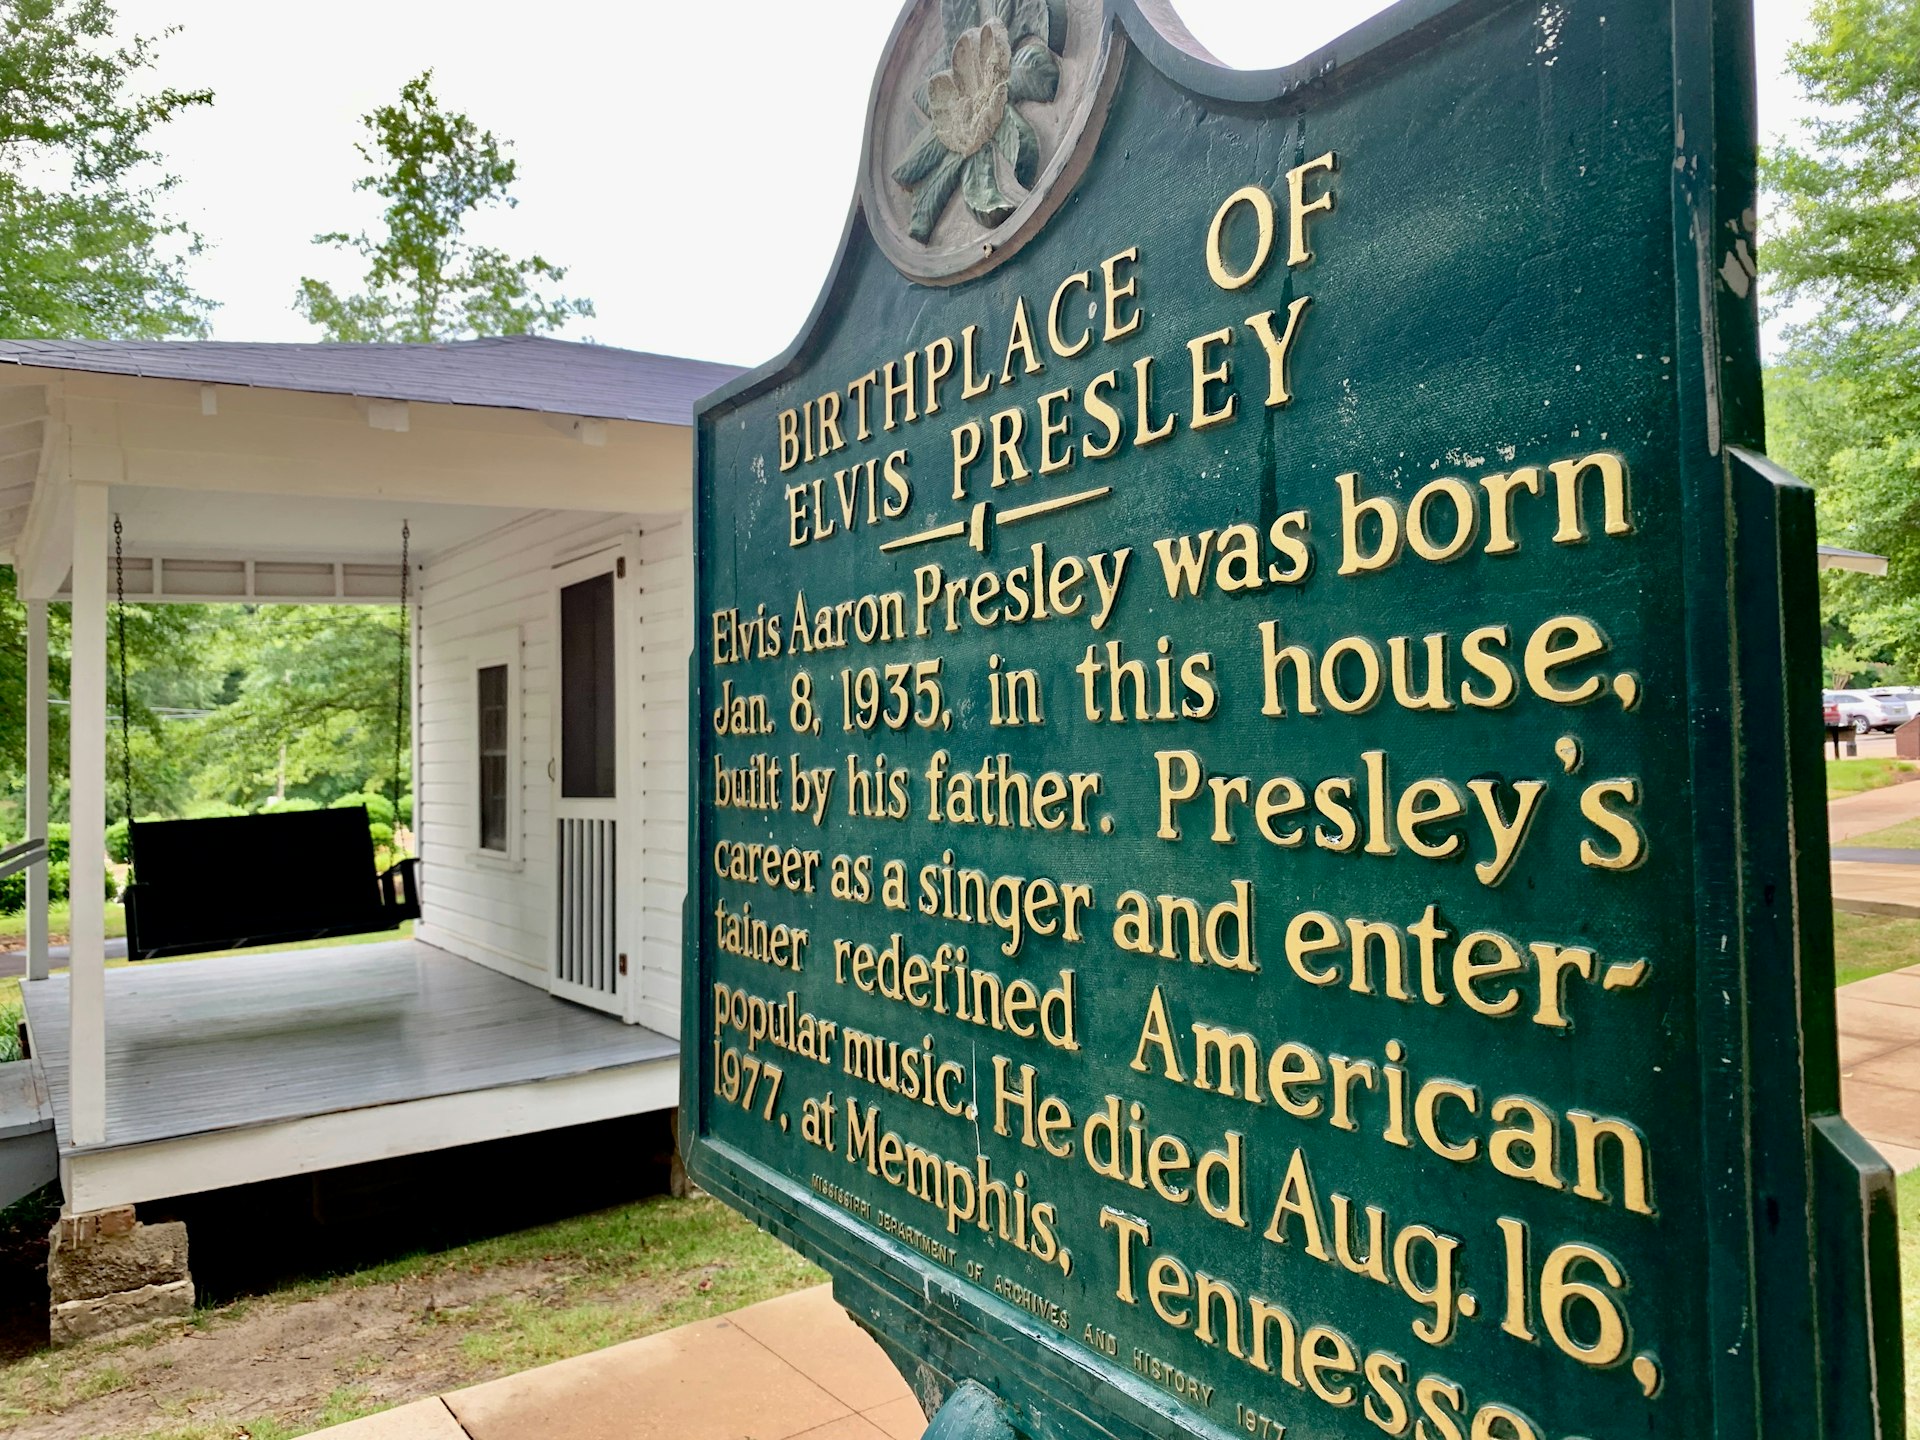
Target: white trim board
[[181, 579], [96, 1180]]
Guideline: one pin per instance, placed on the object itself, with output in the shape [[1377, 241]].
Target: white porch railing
[[16, 858], [585, 957]]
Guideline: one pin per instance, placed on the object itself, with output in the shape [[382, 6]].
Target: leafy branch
[[425, 280]]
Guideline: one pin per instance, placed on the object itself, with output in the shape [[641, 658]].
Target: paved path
[[1874, 880], [795, 1368], [1876, 745], [1877, 888], [1852, 815], [1881, 854], [1880, 1062], [14, 962]]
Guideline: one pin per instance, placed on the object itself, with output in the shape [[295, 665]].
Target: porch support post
[[37, 785], [87, 749]]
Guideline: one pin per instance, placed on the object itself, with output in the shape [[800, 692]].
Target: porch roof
[[514, 372], [232, 453], [1833, 557]]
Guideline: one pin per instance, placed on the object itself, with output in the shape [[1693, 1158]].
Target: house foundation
[[106, 1272]]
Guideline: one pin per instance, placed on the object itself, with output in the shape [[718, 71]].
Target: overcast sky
[[690, 163]]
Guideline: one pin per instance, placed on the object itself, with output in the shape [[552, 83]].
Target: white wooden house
[[546, 489]]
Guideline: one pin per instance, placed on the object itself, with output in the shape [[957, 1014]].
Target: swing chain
[[400, 690], [120, 627]]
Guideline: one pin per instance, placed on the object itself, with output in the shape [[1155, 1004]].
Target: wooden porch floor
[[203, 1046]]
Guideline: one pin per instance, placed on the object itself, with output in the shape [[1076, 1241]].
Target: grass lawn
[[13, 928], [1904, 836], [1850, 777], [354, 1344], [1867, 945]]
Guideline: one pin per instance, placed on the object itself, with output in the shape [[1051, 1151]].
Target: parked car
[[1866, 710]]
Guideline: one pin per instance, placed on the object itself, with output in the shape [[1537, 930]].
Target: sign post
[[1258, 853]]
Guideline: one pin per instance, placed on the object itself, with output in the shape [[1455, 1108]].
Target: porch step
[[29, 1156]]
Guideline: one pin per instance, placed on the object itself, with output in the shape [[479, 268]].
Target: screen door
[[588, 952]]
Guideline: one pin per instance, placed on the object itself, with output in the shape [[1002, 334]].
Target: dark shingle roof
[[518, 372]]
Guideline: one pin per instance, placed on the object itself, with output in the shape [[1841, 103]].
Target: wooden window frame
[[502, 648]]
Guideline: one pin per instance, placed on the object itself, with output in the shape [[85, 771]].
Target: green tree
[[166, 674], [1843, 249], [308, 709], [85, 249], [1848, 231], [425, 280]]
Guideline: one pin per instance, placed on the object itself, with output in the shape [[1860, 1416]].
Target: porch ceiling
[[190, 522], [23, 434], [215, 471]]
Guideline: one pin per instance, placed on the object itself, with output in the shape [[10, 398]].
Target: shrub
[[379, 807], [282, 807], [119, 846], [60, 882], [382, 835], [406, 810], [58, 838], [13, 888]]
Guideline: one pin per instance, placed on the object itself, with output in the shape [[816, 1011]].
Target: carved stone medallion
[[982, 118]]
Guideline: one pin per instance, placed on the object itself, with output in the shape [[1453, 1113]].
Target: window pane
[[493, 758], [586, 689]]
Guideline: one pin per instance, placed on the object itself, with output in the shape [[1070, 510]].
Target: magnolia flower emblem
[[995, 55]]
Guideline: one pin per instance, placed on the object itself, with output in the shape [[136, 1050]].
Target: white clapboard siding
[[492, 912], [662, 644], [503, 915]]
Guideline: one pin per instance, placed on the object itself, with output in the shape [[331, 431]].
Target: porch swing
[[233, 882]]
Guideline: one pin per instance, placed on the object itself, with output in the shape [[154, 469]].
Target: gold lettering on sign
[[1056, 956]]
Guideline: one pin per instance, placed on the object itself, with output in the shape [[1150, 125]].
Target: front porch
[[490, 484], [238, 1068]]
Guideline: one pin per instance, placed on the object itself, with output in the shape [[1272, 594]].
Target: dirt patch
[[23, 1273], [323, 1298], [352, 1350]]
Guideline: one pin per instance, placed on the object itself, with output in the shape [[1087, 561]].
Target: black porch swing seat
[[237, 881]]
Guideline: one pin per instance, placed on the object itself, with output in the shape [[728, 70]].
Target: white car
[[1864, 710]]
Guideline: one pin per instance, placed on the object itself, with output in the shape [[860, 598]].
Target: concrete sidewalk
[[795, 1368], [1868, 887], [1852, 815], [1880, 1062], [1880, 1017], [798, 1368], [1881, 885]]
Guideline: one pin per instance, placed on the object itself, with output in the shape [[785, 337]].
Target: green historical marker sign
[[1258, 847]]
